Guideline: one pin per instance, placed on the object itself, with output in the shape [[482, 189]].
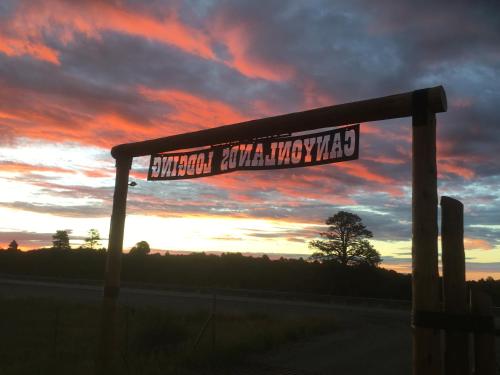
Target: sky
[[78, 77]]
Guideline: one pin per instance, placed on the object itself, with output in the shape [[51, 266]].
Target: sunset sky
[[78, 77]]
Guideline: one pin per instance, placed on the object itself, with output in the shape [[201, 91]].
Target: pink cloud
[[385, 160], [63, 19], [239, 41], [20, 47], [14, 167], [476, 244], [359, 170], [191, 112], [448, 167]]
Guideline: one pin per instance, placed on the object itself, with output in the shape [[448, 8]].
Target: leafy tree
[[369, 255], [60, 240], [93, 240], [13, 246], [140, 248], [345, 241]]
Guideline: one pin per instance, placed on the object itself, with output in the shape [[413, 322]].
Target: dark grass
[[43, 336]]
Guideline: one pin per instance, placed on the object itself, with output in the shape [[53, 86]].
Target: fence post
[[425, 286], [456, 350], [484, 342]]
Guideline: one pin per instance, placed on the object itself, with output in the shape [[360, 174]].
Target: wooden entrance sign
[[421, 105], [339, 144]]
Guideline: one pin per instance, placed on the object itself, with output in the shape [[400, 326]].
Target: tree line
[[201, 270], [228, 270], [60, 241], [344, 241], [344, 263]]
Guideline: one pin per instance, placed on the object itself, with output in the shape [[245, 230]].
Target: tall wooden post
[[425, 288], [456, 350], [107, 344]]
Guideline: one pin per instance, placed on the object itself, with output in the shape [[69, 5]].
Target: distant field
[[44, 336]]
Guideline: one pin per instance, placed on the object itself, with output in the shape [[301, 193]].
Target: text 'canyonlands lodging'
[[340, 144]]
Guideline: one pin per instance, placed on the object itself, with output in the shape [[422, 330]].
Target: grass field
[[42, 336]]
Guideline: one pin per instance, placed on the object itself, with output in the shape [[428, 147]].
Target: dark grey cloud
[[354, 49], [388, 259], [68, 100], [476, 266], [158, 66], [290, 234], [7, 9], [81, 211]]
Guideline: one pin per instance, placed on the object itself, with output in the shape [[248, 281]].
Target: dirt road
[[361, 346]]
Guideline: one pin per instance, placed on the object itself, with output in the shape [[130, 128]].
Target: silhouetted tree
[[346, 241], [140, 248], [60, 240], [13, 246], [93, 239], [369, 255]]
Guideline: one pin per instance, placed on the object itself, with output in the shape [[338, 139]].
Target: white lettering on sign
[[337, 145]]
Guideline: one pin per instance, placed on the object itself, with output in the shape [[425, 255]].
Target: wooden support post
[[484, 342], [456, 351], [107, 343], [425, 287]]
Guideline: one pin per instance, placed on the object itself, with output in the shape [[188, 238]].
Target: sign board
[[336, 145]]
